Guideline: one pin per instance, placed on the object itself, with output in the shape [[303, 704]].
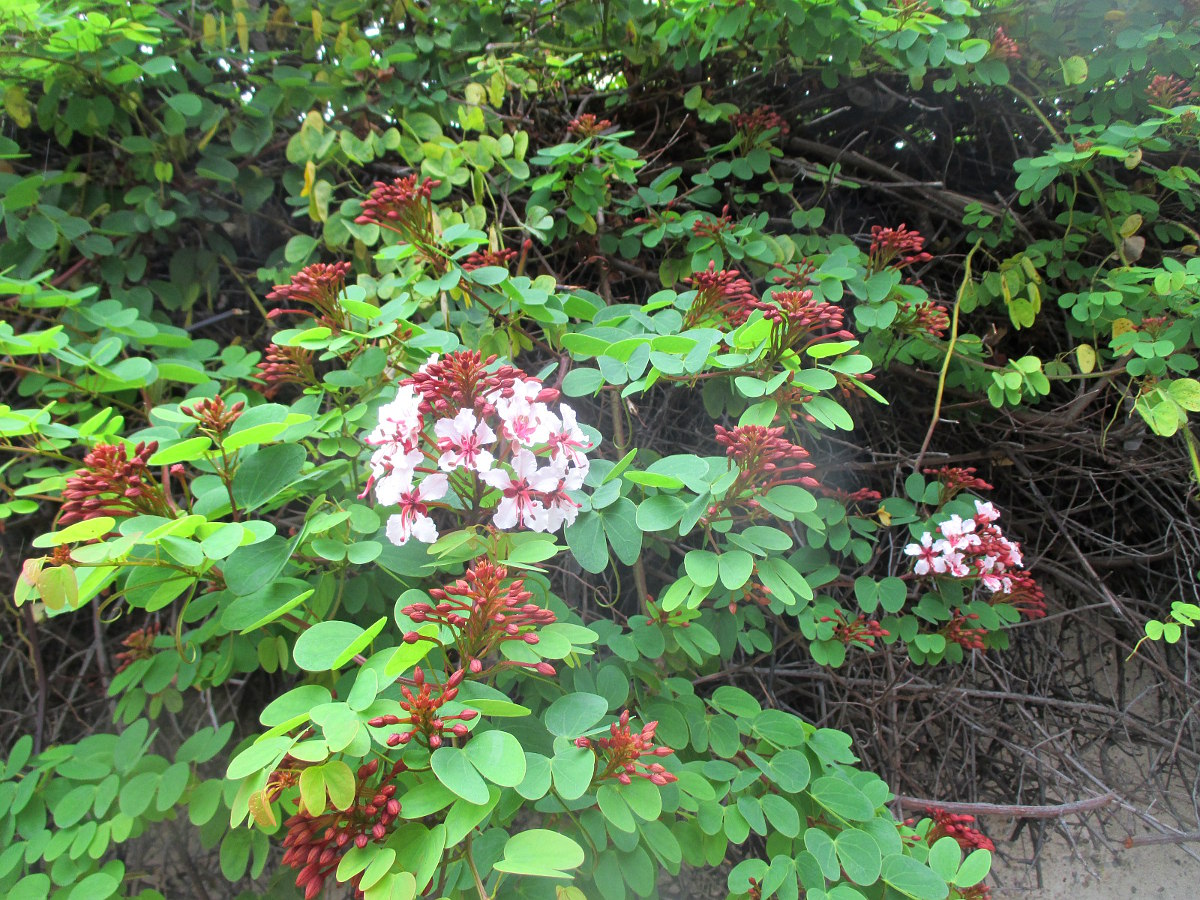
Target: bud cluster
[[1168, 91], [1003, 46], [286, 365], [621, 753], [765, 459], [895, 248], [754, 125], [722, 295], [956, 480], [958, 826], [316, 844], [860, 630], [138, 644], [588, 126], [923, 317], [318, 286], [482, 613], [403, 206], [425, 718], [213, 417], [111, 483]]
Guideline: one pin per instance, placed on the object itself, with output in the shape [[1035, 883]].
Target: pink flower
[[521, 504], [413, 519], [461, 441], [929, 555], [522, 418], [399, 421], [392, 472], [567, 441], [985, 513]]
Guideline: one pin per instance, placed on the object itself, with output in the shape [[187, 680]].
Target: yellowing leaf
[[209, 34], [310, 175], [243, 31], [1085, 356], [318, 22], [17, 106], [1120, 327], [1075, 70], [1131, 225]]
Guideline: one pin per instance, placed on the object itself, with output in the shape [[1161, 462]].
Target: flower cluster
[[958, 826], [480, 258], [482, 613], [458, 425], [138, 644], [1168, 91], [213, 417], [765, 459], [850, 498], [859, 630], [316, 844], [285, 365], [621, 753], [955, 479], [319, 286], [1003, 47], [403, 206], [925, 317], [801, 321], [588, 126], [976, 549], [754, 125], [111, 483], [895, 248], [963, 630], [723, 295], [424, 712]]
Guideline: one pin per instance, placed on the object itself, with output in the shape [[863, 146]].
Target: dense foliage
[[446, 407]]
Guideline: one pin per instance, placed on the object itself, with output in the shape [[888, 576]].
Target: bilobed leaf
[[912, 879], [1075, 70], [842, 799], [574, 714], [498, 757], [454, 770], [542, 853], [263, 475], [326, 646], [859, 855]]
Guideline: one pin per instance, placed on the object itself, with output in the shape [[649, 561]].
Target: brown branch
[[1016, 811]]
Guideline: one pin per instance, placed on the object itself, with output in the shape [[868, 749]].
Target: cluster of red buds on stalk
[[483, 614], [1168, 91], [318, 287], [404, 206], [213, 417], [621, 753], [112, 483], [315, 844], [588, 126], [285, 365], [753, 126], [765, 459], [723, 296], [425, 717], [859, 630]]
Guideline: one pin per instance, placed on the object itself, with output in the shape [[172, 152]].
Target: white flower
[[399, 421], [461, 441], [522, 418], [413, 520], [521, 504], [568, 442], [985, 512], [392, 471]]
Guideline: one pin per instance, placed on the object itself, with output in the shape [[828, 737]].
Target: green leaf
[[541, 853], [572, 769], [453, 769], [183, 451], [912, 879], [859, 855], [735, 567], [1075, 70], [842, 799], [265, 474], [573, 715], [498, 756], [944, 857], [327, 646], [974, 869], [87, 530], [585, 538], [660, 512]]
